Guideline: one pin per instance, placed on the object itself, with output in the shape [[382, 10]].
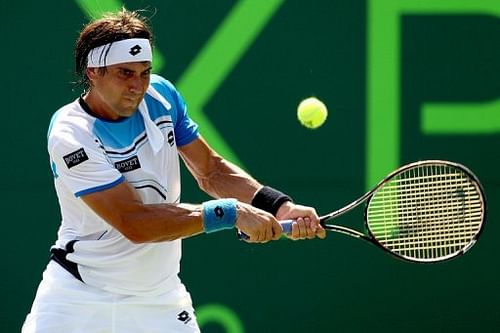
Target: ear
[[91, 73]]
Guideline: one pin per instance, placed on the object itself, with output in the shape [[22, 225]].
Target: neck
[[98, 107]]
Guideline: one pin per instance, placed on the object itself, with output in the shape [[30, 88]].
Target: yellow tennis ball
[[312, 112]]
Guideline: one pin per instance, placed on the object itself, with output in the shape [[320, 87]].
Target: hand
[[258, 225], [306, 223]]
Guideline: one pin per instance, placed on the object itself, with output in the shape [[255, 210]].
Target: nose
[[135, 85]]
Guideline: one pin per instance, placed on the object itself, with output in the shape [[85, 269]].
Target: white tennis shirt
[[88, 155]]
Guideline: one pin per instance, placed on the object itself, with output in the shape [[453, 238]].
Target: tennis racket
[[426, 211]]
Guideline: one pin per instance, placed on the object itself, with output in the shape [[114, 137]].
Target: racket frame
[[369, 237]]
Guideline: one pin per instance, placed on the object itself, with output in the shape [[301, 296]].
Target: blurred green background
[[404, 80]]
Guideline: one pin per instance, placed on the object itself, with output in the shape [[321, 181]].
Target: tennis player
[[114, 154]]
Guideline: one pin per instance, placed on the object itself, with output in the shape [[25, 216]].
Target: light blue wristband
[[219, 214]]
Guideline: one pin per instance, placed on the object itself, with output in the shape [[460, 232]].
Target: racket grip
[[286, 225]]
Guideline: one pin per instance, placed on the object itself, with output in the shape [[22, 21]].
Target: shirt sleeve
[[186, 130], [81, 165]]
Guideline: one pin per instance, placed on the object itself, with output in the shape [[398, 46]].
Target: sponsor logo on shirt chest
[[127, 165]]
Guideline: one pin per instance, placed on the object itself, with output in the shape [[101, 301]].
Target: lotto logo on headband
[[135, 50], [127, 50]]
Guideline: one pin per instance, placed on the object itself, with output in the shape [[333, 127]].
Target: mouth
[[132, 101], [132, 98]]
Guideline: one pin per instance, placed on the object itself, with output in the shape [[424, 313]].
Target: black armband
[[269, 199]]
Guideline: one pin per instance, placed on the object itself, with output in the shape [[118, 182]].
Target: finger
[[295, 231], [310, 233], [314, 218], [276, 230], [314, 223], [302, 228], [268, 233], [262, 236], [255, 237], [321, 232]]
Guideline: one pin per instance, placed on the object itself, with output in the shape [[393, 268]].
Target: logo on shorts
[[135, 50], [184, 317], [129, 164], [75, 158]]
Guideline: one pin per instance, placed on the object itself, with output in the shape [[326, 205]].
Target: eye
[[146, 73], [123, 72]]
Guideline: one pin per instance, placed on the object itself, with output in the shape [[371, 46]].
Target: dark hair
[[112, 27]]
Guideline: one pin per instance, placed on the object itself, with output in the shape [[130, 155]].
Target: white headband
[[127, 50]]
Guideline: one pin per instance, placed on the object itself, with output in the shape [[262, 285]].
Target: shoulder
[[169, 92], [162, 85], [69, 124]]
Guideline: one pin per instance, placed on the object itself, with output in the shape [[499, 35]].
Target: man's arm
[[221, 178], [122, 207], [215, 175]]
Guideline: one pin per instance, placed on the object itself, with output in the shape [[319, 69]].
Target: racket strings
[[426, 212]]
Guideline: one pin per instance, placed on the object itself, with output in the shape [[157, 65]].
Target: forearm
[[122, 208], [216, 176], [228, 180], [161, 222], [222, 179]]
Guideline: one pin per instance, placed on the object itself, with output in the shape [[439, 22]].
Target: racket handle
[[286, 225]]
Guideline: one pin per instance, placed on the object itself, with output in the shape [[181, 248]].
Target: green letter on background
[[383, 84], [217, 59], [221, 315]]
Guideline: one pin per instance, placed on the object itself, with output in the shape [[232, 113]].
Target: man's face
[[118, 91]]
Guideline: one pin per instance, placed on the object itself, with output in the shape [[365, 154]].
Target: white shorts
[[65, 304]]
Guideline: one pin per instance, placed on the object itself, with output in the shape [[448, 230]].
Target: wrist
[[270, 199], [284, 209], [219, 214]]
